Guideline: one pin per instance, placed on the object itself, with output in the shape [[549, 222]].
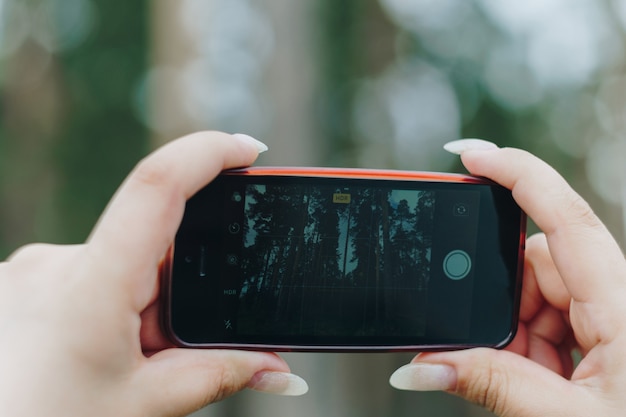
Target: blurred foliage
[[400, 78], [358, 41], [102, 139], [393, 81], [342, 30], [69, 134]]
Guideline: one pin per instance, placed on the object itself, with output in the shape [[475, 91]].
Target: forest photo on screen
[[314, 254]]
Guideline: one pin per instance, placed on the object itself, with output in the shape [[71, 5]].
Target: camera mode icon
[[460, 210]]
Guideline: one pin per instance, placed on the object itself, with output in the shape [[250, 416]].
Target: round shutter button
[[457, 264]]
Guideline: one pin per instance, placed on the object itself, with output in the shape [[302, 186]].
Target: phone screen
[[340, 262]]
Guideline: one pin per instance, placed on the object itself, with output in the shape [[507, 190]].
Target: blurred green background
[[87, 88]]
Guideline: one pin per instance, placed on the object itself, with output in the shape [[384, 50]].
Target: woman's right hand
[[574, 297]]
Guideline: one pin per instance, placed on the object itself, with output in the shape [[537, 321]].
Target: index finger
[[589, 260], [140, 222]]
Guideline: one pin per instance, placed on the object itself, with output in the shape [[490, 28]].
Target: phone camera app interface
[[331, 261]]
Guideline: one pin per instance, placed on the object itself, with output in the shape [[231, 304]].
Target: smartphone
[[325, 259]]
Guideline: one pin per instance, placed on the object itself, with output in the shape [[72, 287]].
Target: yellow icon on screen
[[341, 198]]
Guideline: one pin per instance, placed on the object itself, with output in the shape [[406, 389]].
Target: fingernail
[[424, 377], [261, 147], [459, 146], [280, 383]]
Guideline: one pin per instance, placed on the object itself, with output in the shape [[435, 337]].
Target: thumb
[[178, 382], [501, 381]]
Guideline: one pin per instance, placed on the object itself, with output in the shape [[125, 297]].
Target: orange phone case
[[378, 174]]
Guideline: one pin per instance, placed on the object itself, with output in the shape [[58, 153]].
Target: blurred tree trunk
[[69, 133], [101, 138], [290, 85], [171, 49], [30, 116]]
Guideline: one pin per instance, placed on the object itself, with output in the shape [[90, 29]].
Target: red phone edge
[[359, 173]]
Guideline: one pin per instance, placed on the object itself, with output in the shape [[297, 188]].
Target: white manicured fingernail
[[280, 383], [261, 147], [424, 377], [462, 145]]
